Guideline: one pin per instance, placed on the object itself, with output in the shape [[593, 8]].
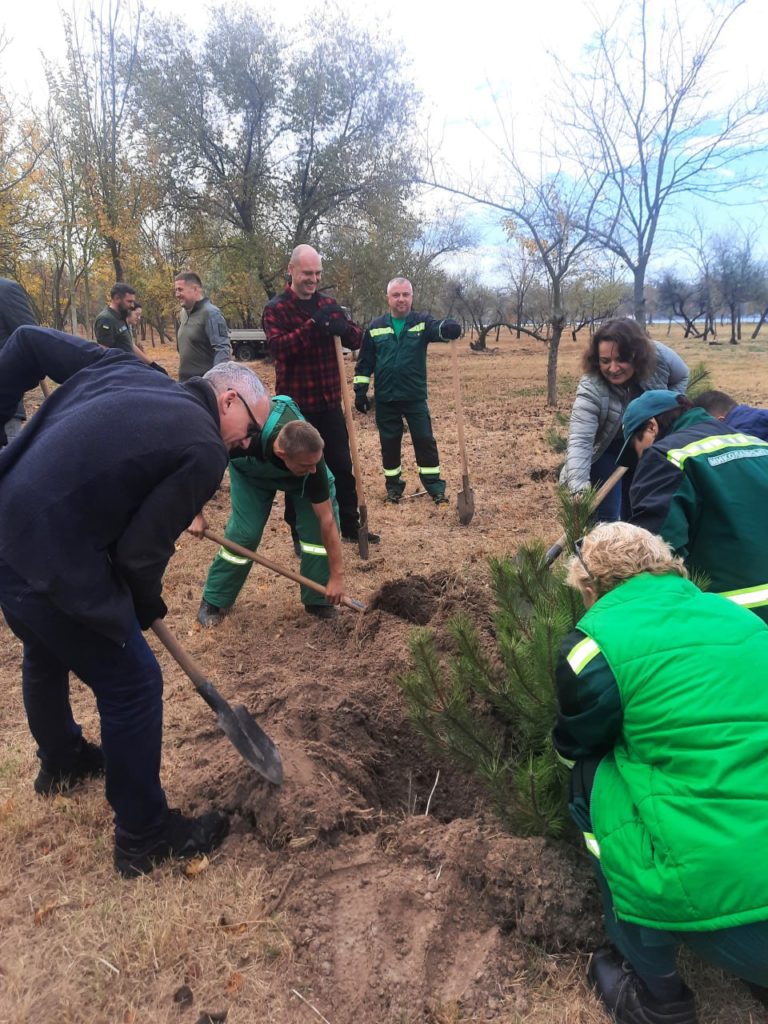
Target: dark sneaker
[[182, 838], [393, 497], [439, 499], [626, 997], [351, 538], [88, 764], [321, 611], [209, 614]]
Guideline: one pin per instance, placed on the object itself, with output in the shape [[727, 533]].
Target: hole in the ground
[[413, 598]]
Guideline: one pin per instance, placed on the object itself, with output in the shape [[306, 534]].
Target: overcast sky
[[462, 55]]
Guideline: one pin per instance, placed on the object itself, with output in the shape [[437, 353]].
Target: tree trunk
[[732, 310], [760, 322], [638, 293], [552, 352]]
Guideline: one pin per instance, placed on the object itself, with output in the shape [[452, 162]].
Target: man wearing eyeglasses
[[88, 522]]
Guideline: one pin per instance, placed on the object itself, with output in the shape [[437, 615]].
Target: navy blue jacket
[[749, 420], [98, 486], [14, 311]]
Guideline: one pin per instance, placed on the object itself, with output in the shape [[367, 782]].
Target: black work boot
[[88, 764], [626, 997], [321, 611], [210, 614], [395, 489], [439, 499], [181, 838], [352, 538]]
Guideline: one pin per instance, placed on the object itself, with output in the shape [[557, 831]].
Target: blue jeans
[[128, 687], [610, 508]]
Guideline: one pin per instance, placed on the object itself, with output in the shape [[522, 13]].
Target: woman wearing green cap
[[663, 720], [620, 363]]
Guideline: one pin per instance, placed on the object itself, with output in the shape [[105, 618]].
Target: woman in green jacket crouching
[[664, 720]]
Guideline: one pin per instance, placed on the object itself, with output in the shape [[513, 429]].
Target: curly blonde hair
[[615, 552]]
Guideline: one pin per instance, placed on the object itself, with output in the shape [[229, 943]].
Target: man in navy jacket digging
[[93, 494]]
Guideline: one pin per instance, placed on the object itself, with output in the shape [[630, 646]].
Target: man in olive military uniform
[[203, 335], [111, 327]]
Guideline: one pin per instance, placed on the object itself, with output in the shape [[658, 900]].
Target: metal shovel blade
[[250, 741], [362, 532], [465, 502]]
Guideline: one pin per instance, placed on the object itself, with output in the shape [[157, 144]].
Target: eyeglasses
[[254, 430], [577, 544]]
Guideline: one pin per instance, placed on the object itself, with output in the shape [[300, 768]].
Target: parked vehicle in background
[[248, 344]]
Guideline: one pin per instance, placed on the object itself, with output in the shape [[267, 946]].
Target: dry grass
[[80, 945]]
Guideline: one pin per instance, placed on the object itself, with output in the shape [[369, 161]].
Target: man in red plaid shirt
[[300, 324]]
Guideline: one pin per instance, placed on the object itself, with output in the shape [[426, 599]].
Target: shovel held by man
[[362, 531], [465, 501]]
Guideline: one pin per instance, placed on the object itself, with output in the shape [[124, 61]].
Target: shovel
[[362, 531], [466, 499], [238, 549], [557, 548], [250, 741]]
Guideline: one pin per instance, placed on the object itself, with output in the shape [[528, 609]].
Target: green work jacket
[[679, 805], [704, 488], [399, 364]]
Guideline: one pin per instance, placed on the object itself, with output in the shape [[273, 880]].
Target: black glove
[[450, 329], [362, 401], [332, 310], [331, 326], [162, 369], [339, 325], [149, 610]]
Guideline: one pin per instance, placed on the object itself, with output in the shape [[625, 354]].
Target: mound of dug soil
[[417, 917], [393, 914]]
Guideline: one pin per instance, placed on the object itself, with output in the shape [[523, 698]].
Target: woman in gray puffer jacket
[[620, 363]]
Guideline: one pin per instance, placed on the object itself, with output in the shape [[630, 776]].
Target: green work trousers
[[253, 488], [389, 420]]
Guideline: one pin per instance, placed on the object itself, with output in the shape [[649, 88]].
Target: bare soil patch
[[338, 886]]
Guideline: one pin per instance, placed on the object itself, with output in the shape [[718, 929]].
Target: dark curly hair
[[634, 346]]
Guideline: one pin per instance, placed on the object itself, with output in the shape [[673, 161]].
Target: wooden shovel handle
[[351, 429], [281, 570], [557, 548], [459, 408]]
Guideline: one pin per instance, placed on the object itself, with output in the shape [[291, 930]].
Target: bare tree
[[680, 298], [523, 269], [643, 116], [93, 97], [740, 278]]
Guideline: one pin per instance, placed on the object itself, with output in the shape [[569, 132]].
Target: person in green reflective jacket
[[288, 457], [704, 488], [394, 350], [663, 720]]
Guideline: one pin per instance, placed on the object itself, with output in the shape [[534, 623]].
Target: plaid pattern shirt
[[305, 359]]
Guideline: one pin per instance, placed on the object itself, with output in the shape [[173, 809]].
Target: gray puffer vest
[[599, 407]]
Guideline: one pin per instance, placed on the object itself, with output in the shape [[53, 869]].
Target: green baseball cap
[[640, 410]]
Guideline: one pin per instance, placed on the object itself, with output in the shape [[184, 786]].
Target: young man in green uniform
[[289, 458], [395, 350]]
